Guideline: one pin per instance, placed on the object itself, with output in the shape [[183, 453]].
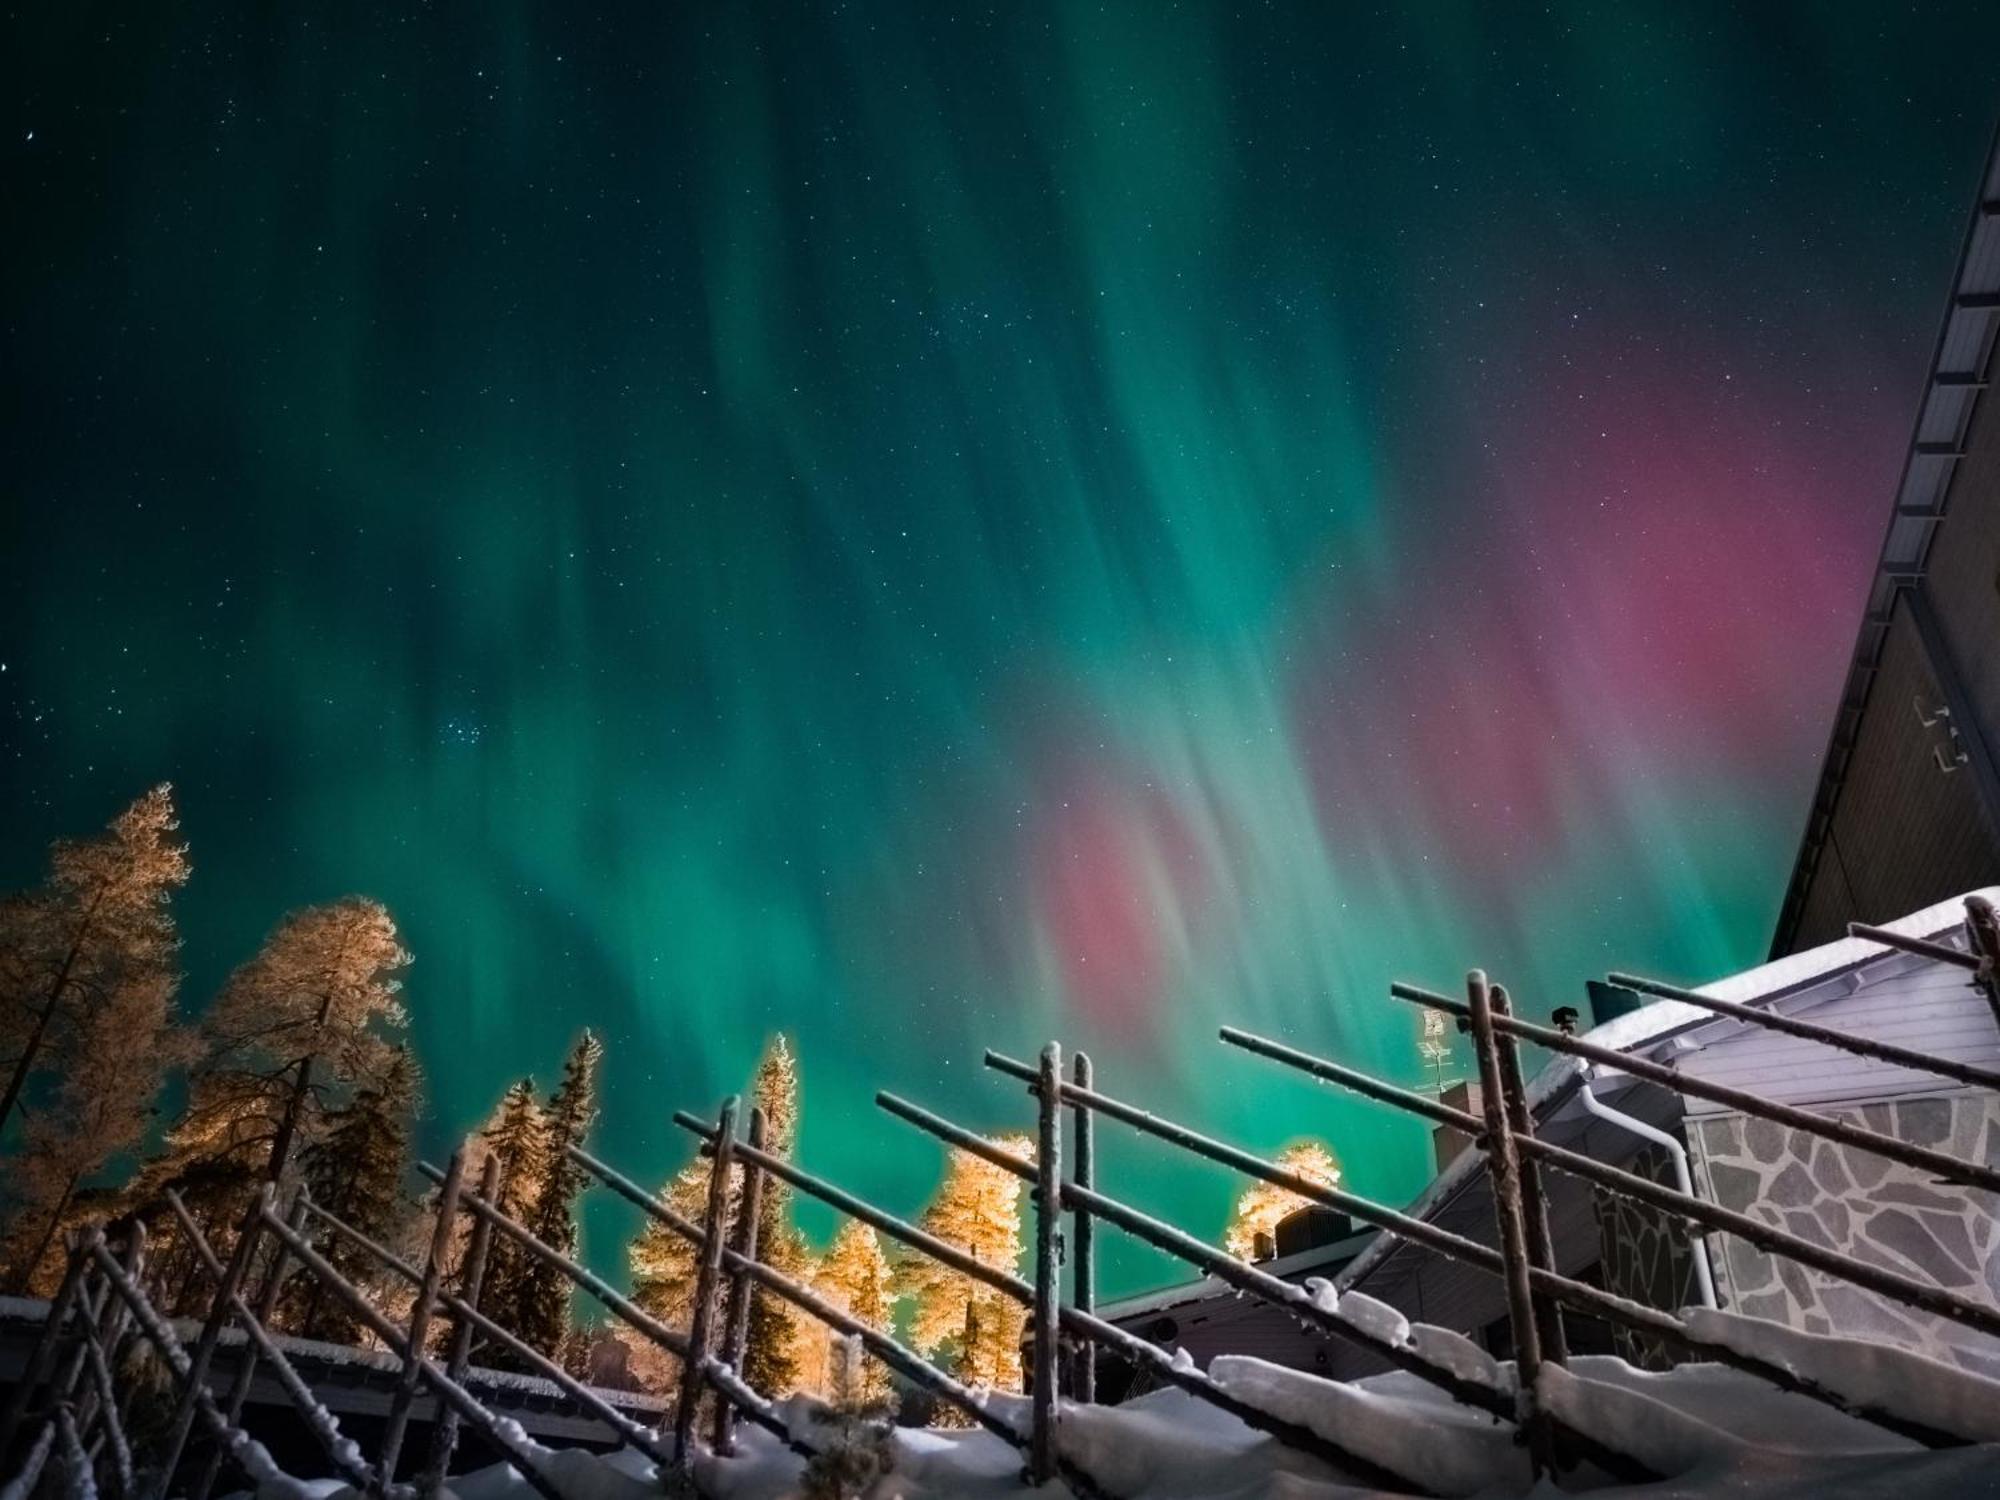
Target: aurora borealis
[[934, 528]]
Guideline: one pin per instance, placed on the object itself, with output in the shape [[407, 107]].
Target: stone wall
[[1645, 1256], [1877, 1211]]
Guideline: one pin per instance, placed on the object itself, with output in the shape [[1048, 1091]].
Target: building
[[1841, 1198], [1208, 1317], [1907, 808]]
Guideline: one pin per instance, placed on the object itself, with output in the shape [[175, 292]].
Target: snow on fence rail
[[65, 1411]]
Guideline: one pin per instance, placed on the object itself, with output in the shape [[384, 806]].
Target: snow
[[1707, 1430], [1458, 1354], [79, 1482], [23, 1483], [1897, 1381], [1395, 1421], [1376, 1319]]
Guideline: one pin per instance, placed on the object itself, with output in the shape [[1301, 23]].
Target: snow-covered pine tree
[[541, 1299], [357, 1170], [978, 1208], [99, 923], [1264, 1205], [855, 1275]]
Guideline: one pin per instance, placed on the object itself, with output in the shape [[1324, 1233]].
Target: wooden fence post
[[736, 1323], [230, 1283], [110, 1329], [1534, 1203], [411, 1375], [246, 1371], [42, 1357], [715, 1233], [1083, 1273], [1048, 1268], [471, 1276], [1503, 1170]]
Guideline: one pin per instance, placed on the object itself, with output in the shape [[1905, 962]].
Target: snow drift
[[1706, 1429]]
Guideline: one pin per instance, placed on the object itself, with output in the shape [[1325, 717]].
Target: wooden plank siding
[[1905, 834], [1930, 1007], [1964, 565]]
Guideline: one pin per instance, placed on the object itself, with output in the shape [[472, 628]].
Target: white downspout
[[1704, 1280]]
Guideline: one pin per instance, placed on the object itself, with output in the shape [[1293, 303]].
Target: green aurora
[[932, 528]]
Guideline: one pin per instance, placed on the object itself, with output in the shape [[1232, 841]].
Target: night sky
[[932, 527]]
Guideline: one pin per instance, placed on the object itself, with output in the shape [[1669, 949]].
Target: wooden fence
[[67, 1418]]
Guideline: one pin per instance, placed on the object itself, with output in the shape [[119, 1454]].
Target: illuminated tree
[[517, 1136], [97, 927], [978, 1209], [664, 1265], [1262, 1207], [778, 1350], [297, 1032], [312, 1018], [114, 1055], [856, 1277]]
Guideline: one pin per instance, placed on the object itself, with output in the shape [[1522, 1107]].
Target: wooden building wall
[[1904, 832]]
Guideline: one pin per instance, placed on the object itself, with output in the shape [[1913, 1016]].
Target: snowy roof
[[1650, 1025], [1286, 1267], [350, 1357]]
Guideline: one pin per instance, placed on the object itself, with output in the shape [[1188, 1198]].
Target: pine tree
[[1263, 1206], [296, 1031], [978, 1209], [856, 1277], [541, 1297], [664, 1265], [518, 1136], [357, 1171], [776, 1355], [98, 924]]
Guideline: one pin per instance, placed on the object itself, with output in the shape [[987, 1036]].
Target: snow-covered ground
[[1710, 1431]]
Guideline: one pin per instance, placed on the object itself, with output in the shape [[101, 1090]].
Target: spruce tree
[[357, 1171], [774, 1358], [855, 1275], [541, 1296], [664, 1265], [978, 1209], [516, 1135], [661, 1262]]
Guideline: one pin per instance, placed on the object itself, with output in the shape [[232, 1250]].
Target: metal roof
[[1952, 391]]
